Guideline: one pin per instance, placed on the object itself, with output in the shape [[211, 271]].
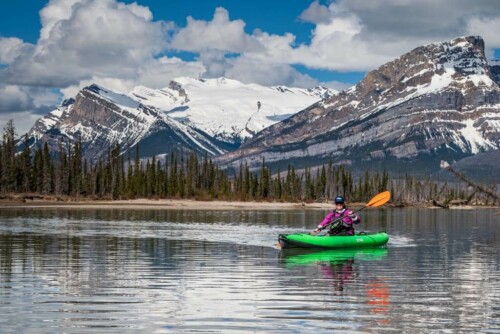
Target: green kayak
[[359, 240]]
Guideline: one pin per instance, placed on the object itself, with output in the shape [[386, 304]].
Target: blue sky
[[49, 49]]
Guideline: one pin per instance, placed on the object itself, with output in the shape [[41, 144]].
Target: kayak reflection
[[298, 257], [336, 266]]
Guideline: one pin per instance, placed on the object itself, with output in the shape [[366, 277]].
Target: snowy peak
[[430, 68], [227, 109], [101, 118]]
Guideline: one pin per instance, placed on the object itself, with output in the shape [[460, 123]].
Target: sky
[[49, 49]]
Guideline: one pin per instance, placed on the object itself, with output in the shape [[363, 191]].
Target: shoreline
[[164, 204], [191, 204]]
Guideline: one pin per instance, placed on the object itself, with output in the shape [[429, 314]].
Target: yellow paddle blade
[[380, 199]]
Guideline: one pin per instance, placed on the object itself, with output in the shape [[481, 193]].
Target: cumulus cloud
[[361, 35], [23, 120], [337, 85], [315, 13], [25, 104], [11, 48], [14, 98], [220, 33], [155, 74], [81, 39], [215, 62], [251, 70], [488, 28]]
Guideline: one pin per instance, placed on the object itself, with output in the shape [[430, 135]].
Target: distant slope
[[483, 167]]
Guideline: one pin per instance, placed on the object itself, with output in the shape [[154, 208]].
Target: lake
[[115, 270]]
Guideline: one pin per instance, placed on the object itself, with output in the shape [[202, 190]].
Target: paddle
[[377, 200]]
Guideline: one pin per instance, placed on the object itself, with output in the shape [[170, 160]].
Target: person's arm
[[353, 218], [325, 222]]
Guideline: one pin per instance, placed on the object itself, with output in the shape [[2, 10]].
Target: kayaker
[[343, 227]]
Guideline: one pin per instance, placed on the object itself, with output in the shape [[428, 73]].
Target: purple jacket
[[334, 215]]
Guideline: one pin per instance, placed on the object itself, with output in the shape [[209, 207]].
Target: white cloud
[[25, 98], [158, 73], [218, 34], [337, 85], [362, 35], [81, 39], [488, 28], [315, 13], [23, 121], [155, 74], [14, 98], [251, 70], [215, 63], [11, 48], [53, 13]]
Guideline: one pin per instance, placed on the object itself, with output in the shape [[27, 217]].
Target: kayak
[[359, 240], [300, 256]]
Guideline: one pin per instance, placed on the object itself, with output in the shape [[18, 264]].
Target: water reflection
[[378, 299]]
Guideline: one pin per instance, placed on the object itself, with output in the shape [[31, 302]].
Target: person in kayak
[[344, 226]]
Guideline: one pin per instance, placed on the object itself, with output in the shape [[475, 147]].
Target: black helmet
[[339, 200]]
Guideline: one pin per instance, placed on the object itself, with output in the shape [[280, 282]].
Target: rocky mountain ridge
[[438, 102]]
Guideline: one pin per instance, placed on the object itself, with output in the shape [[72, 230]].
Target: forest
[[186, 175]]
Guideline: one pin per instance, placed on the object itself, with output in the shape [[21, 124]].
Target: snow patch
[[474, 137]]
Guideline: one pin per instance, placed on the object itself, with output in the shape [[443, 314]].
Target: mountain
[[438, 102], [100, 118], [227, 109], [207, 115]]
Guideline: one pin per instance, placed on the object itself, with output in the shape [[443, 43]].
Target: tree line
[[184, 174]]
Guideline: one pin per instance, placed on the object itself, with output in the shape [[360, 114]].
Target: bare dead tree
[[478, 187]]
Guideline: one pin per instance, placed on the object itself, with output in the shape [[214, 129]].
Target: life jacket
[[349, 228]]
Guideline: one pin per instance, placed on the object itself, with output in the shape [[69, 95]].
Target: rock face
[[437, 102]]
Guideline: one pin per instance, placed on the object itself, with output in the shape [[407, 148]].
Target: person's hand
[[353, 216], [315, 231]]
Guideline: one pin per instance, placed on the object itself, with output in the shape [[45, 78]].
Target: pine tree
[[26, 166], [8, 155], [47, 175]]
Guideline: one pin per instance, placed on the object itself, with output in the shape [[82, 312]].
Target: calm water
[[182, 271]]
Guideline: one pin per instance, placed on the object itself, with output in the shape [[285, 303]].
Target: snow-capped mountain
[[438, 102], [207, 115], [227, 109], [100, 118]]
